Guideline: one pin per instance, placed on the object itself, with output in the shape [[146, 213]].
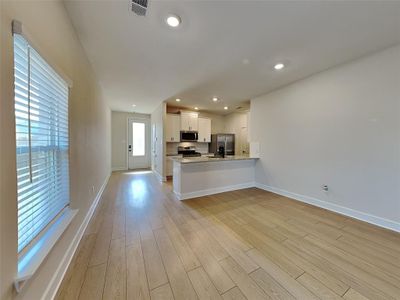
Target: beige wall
[[119, 135], [217, 122], [90, 123], [340, 127]]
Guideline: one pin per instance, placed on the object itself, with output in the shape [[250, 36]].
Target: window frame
[[32, 255]]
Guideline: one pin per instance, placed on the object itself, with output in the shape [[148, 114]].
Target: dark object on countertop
[[221, 151]]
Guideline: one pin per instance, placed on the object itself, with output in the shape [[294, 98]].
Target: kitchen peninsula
[[201, 176]]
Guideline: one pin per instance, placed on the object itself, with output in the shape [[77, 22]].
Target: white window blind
[[41, 116]]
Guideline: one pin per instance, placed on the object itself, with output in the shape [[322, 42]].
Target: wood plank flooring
[[142, 243]]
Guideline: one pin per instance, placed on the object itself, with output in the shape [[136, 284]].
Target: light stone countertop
[[176, 154], [190, 160]]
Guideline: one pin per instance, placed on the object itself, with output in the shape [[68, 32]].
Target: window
[[41, 117], [138, 139]]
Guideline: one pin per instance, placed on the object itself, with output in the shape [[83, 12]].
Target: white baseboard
[[159, 176], [114, 169], [62, 268], [381, 222], [207, 192]]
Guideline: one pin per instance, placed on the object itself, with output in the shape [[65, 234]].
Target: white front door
[[138, 143]]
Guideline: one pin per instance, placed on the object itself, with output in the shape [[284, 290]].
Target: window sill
[[31, 261]]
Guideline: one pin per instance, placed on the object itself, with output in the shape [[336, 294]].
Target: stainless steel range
[[189, 151]]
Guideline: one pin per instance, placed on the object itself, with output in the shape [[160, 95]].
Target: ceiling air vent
[[139, 7]]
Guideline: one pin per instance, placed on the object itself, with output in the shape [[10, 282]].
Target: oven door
[[189, 136]]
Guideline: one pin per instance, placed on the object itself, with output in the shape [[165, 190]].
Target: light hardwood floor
[[249, 244]]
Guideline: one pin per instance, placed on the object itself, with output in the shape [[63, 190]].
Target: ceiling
[[225, 49]]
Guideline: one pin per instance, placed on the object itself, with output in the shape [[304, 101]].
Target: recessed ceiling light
[[215, 99], [134, 105], [279, 66], [178, 100], [173, 20], [196, 108], [225, 107]]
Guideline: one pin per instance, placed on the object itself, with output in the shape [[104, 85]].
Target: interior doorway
[[138, 143]]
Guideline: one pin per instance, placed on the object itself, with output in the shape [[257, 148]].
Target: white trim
[[147, 146], [375, 220], [62, 268], [159, 176], [127, 143], [213, 191], [32, 259], [119, 169]]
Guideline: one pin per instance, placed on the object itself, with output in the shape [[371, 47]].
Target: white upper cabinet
[[189, 121], [204, 130], [172, 128]]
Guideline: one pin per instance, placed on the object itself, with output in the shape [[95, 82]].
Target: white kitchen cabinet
[[172, 128], [189, 121], [204, 130]]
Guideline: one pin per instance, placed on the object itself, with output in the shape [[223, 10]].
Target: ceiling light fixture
[[196, 108], [225, 107], [173, 20], [215, 99], [178, 100], [279, 66], [133, 105]]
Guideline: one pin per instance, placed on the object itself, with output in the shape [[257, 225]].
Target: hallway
[[250, 243]]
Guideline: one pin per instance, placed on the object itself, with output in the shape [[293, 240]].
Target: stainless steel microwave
[[189, 136]]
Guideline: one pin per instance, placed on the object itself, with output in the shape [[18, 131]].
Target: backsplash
[[172, 148]]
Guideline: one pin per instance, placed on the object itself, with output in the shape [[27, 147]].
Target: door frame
[[147, 136]]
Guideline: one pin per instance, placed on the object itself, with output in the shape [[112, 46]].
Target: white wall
[[340, 127], [119, 135], [90, 123], [158, 144]]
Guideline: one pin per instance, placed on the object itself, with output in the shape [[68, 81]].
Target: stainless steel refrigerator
[[225, 140]]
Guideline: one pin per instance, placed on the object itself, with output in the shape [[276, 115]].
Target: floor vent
[[139, 7]]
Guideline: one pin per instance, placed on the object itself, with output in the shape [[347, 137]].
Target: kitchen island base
[[198, 179]]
